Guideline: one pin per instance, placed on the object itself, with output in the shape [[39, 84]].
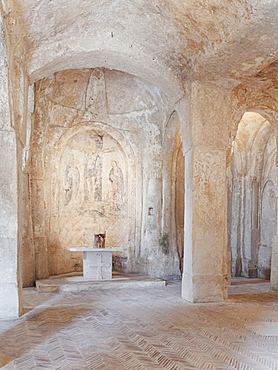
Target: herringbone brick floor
[[143, 329]]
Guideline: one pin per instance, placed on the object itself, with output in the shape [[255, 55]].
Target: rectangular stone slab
[[97, 262], [88, 249]]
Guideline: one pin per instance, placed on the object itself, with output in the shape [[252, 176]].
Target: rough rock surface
[[112, 111]]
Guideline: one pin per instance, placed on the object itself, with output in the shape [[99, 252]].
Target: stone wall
[[96, 166], [10, 294]]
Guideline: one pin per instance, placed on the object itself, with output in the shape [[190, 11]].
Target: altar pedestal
[[97, 262]]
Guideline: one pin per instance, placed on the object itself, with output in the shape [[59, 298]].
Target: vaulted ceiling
[[165, 42]]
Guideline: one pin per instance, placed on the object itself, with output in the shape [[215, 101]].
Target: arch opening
[[100, 163], [252, 194]]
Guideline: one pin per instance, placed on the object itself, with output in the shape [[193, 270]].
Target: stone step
[[77, 283]]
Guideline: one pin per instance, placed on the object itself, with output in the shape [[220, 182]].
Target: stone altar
[[97, 262]]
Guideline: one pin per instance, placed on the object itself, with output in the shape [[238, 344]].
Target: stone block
[[274, 264], [9, 300], [4, 86], [210, 104], [264, 262], [97, 265], [204, 288], [8, 185], [41, 258], [8, 260]]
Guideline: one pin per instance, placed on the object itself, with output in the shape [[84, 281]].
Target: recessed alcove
[[101, 163], [252, 193]]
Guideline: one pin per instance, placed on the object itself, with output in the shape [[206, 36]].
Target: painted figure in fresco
[[83, 182], [71, 185], [93, 177], [71, 182], [93, 168], [117, 184], [68, 184]]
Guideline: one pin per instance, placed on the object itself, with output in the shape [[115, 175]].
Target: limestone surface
[[124, 117]]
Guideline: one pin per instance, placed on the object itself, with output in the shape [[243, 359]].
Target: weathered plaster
[[121, 70], [83, 121], [205, 256], [252, 185], [10, 277]]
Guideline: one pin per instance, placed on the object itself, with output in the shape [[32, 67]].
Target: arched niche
[[180, 202], [252, 166], [174, 192], [98, 105], [92, 191]]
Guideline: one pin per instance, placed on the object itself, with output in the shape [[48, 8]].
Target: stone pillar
[[274, 264], [274, 259], [274, 255], [206, 252], [28, 252], [10, 297], [151, 229], [236, 229], [255, 231], [9, 282], [37, 190]]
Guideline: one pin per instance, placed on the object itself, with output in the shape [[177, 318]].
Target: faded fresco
[[92, 177], [96, 169]]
